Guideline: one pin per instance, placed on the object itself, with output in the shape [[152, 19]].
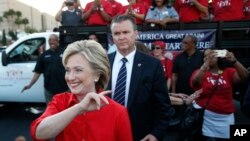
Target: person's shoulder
[[180, 55], [115, 106], [117, 3], [64, 95], [61, 49], [151, 9], [78, 10], [47, 52], [111, 55], [148, 57], [199, 52], [64, 12], [105, 3]]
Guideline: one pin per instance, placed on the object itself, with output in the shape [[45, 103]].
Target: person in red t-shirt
[[246, 9], [136, 9], [116, 7], [82, 114], [217, 96], [97, 12], [191, 10], [158, 51], [147, 3], [227, 10]]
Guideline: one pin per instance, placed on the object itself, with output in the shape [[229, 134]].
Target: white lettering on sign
[[153, 36]]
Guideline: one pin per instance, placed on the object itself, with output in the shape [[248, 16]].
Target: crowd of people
[[134, 93], [153, 12]]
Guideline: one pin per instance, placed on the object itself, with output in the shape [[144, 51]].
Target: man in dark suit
[[146, 96]]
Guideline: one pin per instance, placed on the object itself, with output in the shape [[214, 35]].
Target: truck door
[[19, 71]]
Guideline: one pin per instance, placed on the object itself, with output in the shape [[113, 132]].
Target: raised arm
[[241, 72], [201, 7], [58, 16], [49, 127]]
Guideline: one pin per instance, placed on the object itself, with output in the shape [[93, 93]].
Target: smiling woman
[[78, 111]]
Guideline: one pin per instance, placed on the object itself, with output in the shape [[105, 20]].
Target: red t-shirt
[[96, 18], [227, 10], [116, 8], [146, 3], [222, 99], [167, 67], [247, 10], [111, 123], [188, 13], [138, 8]]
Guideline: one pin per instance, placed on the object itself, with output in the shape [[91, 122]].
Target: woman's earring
[[96, 80]]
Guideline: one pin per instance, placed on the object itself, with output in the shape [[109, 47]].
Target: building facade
[[37, 20]]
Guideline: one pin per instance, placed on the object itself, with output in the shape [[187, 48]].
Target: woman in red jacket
[[82, 114]]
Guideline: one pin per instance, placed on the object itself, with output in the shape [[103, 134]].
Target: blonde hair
[[95, 55]]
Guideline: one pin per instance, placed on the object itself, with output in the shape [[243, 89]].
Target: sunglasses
[[69, 4], [153, 48]]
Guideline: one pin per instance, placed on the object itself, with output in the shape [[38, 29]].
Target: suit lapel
[[135, 77], [111, 62]]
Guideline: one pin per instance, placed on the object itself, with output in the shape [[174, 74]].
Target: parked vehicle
[[2, 48], [16, 69]]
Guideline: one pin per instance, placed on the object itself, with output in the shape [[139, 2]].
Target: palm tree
[[9, 16], [6, 15], [18, 14], [12, 13], [4, 40], [25, 21], [18, 20], [1, 19]]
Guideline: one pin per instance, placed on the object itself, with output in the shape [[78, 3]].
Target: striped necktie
[[120, 87]]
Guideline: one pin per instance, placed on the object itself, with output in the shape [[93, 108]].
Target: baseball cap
[[69, 1], [160, 44]]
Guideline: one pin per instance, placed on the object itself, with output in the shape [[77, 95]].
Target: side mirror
[[4, 58]]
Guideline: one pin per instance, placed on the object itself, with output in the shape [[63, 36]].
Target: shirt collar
[[164, 8], [72, 100], [129, 57]]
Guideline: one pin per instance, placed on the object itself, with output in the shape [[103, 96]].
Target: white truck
[[17, 63]]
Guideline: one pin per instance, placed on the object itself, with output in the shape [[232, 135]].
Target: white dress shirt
[[115, 70]]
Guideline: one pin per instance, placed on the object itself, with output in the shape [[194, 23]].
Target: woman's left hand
[[230, 57], [193, 96], [93, 101]]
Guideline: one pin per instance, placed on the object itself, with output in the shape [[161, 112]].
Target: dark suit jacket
[[148, 101]]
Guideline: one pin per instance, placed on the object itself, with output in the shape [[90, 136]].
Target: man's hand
[[25, 88], [149, 137], [63, 5], [97, 3], [163, 24]]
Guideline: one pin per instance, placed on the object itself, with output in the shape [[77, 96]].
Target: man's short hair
[[124, 17], [193, 38]]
